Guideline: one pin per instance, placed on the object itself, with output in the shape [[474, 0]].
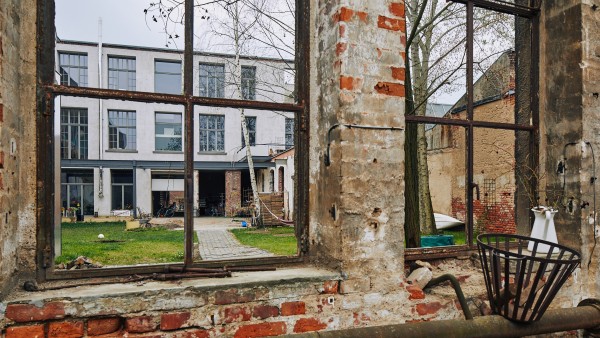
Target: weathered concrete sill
[[279, 277]]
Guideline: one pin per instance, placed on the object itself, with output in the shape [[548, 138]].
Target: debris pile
[[79, 263]]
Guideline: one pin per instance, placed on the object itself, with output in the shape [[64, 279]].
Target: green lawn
[[278, 240], [120, 247], [460, 237]]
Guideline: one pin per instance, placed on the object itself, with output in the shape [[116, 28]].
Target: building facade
[[120, 157]]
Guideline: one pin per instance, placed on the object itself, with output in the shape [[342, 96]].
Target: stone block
[[354, 285], [420, 277]]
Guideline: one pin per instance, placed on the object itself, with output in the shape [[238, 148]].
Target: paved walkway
[[216, 242]]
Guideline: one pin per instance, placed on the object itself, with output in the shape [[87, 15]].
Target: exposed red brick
[[403, 55], [342, 30], [308, 324], [428, 308], [362, 16], [415, 292], [399, 73], [341, 48], [1, 112], [345, 14], [360, 318], [196, 333], [261, 330], [140, 324], [293, 308], [65, 330], [33, 331], [265, 311], [397, 9], [403, 42], [350, 83], [236, 314], [28, 313], [99, 326], [391, 24], [389, 88], [232, 296], [463, 278], [331, 286], [173, 321]]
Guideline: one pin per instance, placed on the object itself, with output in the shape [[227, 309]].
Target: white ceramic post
[[543, 228]]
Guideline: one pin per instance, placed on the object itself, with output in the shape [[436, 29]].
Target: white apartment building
[[117, 156]]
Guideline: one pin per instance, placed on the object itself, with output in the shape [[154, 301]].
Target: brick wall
[[233, 192], [291, 304]]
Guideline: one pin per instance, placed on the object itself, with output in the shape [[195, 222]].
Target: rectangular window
[[122, 189], [73, 133], [77, 192], [121, 130], [251, 125], [168, 132], [121, 73], [212, 133], [212, 80], [73, 69], [167, 77], [289, 133], [248, 83]]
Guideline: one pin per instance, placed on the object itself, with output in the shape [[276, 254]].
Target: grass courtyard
[[120, 247], [278, 240]]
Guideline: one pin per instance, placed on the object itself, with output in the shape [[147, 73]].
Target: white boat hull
[[446, 222]]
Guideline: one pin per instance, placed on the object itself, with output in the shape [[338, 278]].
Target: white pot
[[543, 228]]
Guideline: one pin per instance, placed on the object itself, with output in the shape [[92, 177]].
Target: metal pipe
[[457, 289], [469, 130], [586, 316], [188, 86]]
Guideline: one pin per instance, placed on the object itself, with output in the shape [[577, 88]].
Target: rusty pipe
[[456, 286], [585, 316]]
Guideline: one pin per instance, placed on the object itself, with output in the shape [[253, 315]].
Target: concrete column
[[233, 192], [357, 202]]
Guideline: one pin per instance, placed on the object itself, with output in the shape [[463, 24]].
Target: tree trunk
[[412, 229], [238, 70]]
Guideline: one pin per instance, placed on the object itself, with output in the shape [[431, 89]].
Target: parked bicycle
[[167, 211]]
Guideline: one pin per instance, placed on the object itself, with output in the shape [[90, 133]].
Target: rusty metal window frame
[[47, 90], [526, 9]]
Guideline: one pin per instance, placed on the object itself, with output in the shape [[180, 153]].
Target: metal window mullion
[[188, 83], [469, 135]]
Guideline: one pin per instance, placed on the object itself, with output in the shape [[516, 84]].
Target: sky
[[124, 22]]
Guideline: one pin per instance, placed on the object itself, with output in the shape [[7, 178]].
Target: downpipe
[[585, 316]]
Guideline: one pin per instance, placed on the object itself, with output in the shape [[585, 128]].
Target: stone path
[[216, 244]]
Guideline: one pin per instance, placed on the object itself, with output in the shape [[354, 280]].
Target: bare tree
[[435, 63]]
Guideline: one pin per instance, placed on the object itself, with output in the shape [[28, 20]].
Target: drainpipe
[[585, 316]]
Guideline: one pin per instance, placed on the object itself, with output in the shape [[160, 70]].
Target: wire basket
[[520, 283]]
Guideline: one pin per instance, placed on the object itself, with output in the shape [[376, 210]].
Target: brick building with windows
[[117, 155]]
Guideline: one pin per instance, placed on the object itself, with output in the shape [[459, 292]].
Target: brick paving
[[216, 244]]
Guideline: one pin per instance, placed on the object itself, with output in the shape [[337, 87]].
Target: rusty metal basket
[[520, 283]]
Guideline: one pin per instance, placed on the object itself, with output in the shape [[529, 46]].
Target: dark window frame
[[157, 136], [63, 73], [251, 131], [528, 123], [121, 186], [113, 131], [219, 90], [248, 83], [118, 70], [180, 74], [47, 91], [83, 130], [207, 131]]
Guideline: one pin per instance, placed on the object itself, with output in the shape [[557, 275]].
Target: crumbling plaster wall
[[569, 119], [17, 140], [357, 202]]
